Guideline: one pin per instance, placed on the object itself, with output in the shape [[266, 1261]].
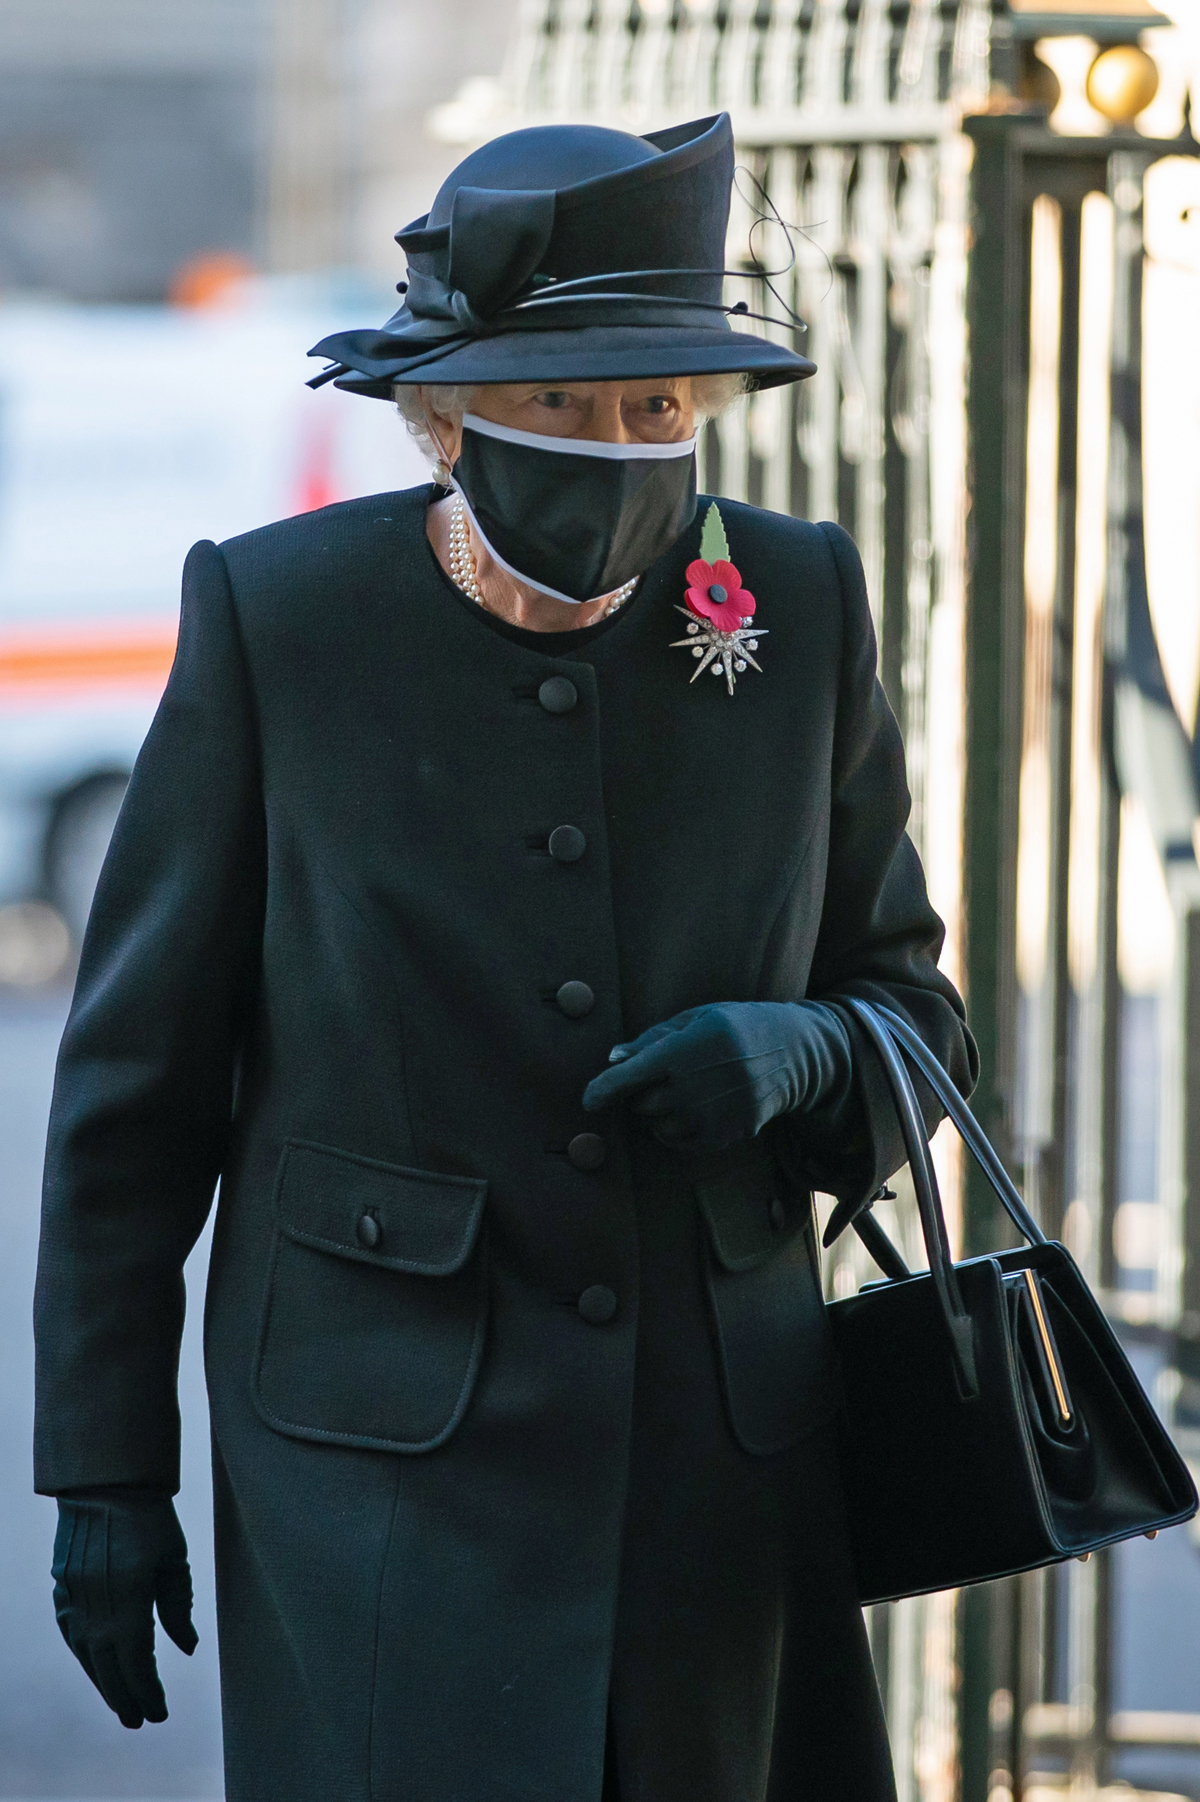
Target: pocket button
[[369, 1231], [567, 844], [597, 1305]]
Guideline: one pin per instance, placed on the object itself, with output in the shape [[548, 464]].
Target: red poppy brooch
[[719, 611]]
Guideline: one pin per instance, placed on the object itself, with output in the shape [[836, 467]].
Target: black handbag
[[992, 1422]]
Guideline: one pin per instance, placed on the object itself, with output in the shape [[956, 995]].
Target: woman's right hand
[[117, 1554]]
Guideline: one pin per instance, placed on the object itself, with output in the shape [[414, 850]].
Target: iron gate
[[1060, 653]]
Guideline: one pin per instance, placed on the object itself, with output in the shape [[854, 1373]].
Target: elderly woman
[[479, 914]]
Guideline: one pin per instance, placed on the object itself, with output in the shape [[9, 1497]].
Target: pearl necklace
[[462, 557], [462, 563]]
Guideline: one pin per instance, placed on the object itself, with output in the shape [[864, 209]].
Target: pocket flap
[[767, 1307], [745, 1214], [412, 1220]]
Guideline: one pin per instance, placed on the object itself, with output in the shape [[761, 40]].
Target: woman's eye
[[659, 403], [554, 398]]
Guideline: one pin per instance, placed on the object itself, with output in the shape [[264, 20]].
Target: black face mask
[[572, 517]]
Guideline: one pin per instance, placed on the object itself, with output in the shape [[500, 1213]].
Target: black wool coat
[[523, 1425]]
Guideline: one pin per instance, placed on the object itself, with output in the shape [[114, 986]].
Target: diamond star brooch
[[719, 611]]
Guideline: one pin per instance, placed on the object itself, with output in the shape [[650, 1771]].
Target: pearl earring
[[441, 473]]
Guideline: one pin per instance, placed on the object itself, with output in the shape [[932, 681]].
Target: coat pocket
[[376, 1302], [773, 1343]]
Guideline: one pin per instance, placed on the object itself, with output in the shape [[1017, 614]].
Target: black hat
[[568, 252]]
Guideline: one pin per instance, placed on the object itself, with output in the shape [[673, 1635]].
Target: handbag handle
[[973, 1135], [929, 1202]]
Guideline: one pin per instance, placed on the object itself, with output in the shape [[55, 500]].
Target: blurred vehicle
[[126, 434]]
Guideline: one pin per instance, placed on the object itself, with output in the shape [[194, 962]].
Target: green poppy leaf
[[713, 543]]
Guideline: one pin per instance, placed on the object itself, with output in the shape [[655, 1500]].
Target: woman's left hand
[[716, 1074]]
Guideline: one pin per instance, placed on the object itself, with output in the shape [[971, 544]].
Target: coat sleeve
[[143, 1089], [879, 938]]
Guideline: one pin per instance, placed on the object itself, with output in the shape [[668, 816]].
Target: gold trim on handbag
[[1060, 1391]]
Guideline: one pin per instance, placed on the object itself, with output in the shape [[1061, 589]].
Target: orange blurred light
[[50, 664], [210, 279]]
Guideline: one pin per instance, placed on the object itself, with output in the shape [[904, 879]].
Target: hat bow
[[496, 238]]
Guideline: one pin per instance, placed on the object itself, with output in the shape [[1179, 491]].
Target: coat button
[[557, 694], [575, 999], [567, 844], [587, 1151], [597, 1305], [369, 1231]]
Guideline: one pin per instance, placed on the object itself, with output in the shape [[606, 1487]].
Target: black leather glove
[[118, 1553], [716, 1074]]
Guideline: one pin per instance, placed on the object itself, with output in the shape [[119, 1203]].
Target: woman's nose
[[606, 420]]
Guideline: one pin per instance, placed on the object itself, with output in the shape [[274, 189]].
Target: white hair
[[711, 395]]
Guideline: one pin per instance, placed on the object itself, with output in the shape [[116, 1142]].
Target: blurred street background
[[1000, 270]]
